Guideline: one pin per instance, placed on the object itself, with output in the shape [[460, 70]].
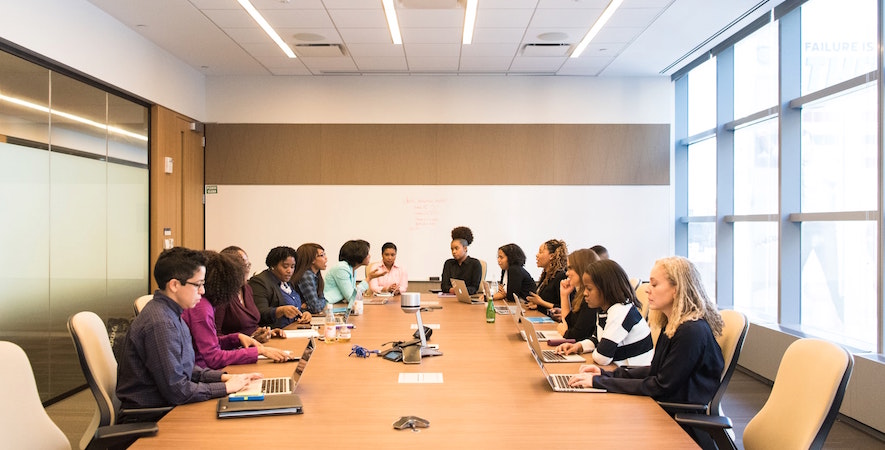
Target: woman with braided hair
[[552, 257]]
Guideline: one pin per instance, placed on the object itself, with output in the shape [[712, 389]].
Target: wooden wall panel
[[471, 154], [176, 199]]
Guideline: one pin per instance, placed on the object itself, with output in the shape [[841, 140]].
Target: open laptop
[[559, 382], [463, 295], [277, 385], [519, 314], [548, 356]]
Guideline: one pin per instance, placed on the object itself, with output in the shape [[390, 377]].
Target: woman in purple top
[[240, 315], [224, 275]]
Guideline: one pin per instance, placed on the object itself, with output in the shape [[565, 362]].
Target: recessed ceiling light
[[309, 37], [553, 36]]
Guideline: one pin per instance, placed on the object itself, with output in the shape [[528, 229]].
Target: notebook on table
[[463, 294], [547, 356], [519, 315], [277, 385], [273, 405]]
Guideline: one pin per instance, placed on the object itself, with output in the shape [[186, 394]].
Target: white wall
[[79, 35], [438, 99]]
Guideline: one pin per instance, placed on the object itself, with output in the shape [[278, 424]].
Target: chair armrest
[[704, 422], [143, 414], [121, 436], [673, 408]]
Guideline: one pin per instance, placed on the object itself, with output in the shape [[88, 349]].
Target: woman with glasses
[[310, 259], [224, 274]]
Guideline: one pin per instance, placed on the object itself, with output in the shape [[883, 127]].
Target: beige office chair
[[731, 342], [141, 301], [482, 262], [100, 369], [807, 392], [23, 421]]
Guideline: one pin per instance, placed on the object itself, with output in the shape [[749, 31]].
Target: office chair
[[642, 296], [140, 302], [731, 342], [482, 262], [100, 369], [807, 392], [23, 421]]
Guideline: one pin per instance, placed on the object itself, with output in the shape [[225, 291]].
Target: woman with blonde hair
[[687, 361], [579, 319]]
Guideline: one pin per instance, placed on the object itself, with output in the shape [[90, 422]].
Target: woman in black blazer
[[514, 278]]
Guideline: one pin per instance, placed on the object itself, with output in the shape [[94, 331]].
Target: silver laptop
[[559, 382], [463, 295], [279, 385], [519, 315], [548, 356]]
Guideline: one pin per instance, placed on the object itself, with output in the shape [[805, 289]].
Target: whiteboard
[[631, 221]]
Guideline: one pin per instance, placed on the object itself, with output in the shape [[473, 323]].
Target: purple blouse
[[236, 317], [210, 350]]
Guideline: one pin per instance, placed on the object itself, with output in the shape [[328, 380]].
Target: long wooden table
[[493, 394]]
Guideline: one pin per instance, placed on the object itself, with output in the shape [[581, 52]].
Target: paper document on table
[[429, 377], [302, 333]]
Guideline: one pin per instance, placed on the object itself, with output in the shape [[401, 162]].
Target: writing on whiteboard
[[424, 212]]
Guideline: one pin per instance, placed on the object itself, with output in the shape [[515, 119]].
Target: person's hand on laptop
[[274, 354], [585, 376], [569, 348], [238, 382]]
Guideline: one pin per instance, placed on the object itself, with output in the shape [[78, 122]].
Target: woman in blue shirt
[[340, 281]]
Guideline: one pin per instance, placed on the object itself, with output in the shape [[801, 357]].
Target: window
[[839, 42], [702, 98], [755, 71]]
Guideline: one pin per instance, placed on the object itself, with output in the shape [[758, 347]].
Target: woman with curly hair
[[224, 277], [461, 266], [552, 257], [687, 361]]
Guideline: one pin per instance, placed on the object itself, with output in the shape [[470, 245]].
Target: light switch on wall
[[168, 160]]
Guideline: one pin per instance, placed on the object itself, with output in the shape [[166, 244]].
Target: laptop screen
[[305, 358]]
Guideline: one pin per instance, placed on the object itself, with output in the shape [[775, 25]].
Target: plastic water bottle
[[330, 326]]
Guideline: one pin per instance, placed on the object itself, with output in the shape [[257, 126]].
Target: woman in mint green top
[[340, 282]]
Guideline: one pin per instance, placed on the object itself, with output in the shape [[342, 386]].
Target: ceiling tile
[[539, 64], [497, 35], [504, 18], [382, 63], [436, 63], [329, 64], [305, 18], [365, 35], [567, 18], [572, 4], [230, 18], [432, 50], [359, 18], [430, 18], [519, 4], [431, 35], [485, 64], [379, 50], [489, 50]]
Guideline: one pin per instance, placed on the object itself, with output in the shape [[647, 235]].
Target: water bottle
[[330, 326]]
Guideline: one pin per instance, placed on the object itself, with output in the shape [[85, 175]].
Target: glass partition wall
[[74, 204]]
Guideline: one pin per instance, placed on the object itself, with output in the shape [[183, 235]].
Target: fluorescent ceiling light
[[75, 118], [247, 5], [606, 15], [469, 21], [392, 23]]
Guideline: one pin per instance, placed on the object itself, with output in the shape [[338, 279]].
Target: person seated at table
[[278, 303], [687, 361], [601, 251], [461, 266], [240, 315], [552, 257], [395, 279], [514, 278], [310, 259], [578, 318], [224, 274], [622, 335], [157, 365], [341, 285]]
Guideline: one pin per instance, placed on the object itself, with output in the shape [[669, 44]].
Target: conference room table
[[492, 395]]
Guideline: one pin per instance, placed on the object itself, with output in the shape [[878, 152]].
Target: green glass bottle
[[490, 310]]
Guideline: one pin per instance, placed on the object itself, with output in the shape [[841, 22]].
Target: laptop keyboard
[[274, 385], [550, 355]]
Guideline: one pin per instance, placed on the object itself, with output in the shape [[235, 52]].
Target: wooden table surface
[[493, 395]]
